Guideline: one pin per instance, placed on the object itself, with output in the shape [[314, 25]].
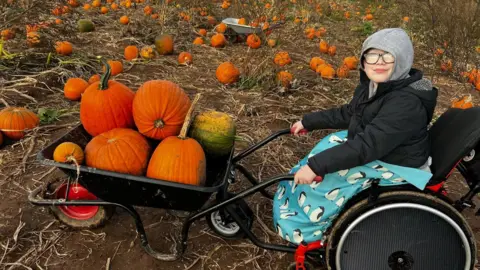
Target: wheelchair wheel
[[401, 230]]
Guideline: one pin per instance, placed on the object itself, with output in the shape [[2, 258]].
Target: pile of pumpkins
[[120, 121]]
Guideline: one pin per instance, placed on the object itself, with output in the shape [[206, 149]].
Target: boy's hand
[[297, 127], [304, 176]]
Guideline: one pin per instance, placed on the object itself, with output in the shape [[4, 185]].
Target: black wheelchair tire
[[389, 198]]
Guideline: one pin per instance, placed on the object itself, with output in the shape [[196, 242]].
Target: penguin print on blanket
[[317, 214], [335, 139], [354, 178], [288, 214], [301, 198], [332, 194], [285, 204], [297, 236], [306, 209], [281, 192]]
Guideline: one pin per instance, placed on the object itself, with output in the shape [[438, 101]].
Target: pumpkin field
[[158, 84]]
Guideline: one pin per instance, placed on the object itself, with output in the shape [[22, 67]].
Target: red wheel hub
[[77, 192]]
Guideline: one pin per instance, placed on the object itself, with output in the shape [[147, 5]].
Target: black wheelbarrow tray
[[228, 214]]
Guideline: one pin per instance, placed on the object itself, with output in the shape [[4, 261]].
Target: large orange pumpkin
[[179, 159], [15, 121], [160, 108], [105, 105], [67, 152], [121, 150]]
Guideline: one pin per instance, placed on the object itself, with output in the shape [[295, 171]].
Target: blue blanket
[[305, 212]]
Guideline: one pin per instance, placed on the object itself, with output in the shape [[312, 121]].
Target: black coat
[[391, 126]]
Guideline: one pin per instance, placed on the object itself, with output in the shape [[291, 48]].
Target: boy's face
[[378, 68]]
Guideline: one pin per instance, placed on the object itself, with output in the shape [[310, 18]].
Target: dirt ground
[[31, 238]]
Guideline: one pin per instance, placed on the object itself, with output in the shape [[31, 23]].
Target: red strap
[[437, 187], [301, 250]]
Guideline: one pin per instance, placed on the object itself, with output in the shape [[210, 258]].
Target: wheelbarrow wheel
[[78, 217], [225, 226], [307, 265]]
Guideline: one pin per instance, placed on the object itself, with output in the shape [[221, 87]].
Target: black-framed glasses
[[372, 58]]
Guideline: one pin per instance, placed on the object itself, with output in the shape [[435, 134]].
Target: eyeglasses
[[372, 58]]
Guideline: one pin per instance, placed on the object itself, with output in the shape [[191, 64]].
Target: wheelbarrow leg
[[176, 252]]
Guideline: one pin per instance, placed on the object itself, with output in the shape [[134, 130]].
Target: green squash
[[85, 25], [215, 131]]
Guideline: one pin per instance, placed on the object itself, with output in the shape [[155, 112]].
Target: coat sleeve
[[401, 116], [335, 118]]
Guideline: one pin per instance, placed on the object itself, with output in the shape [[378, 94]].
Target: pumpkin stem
[[106, 76], [188, 118]]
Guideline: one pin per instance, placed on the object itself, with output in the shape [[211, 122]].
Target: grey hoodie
[[397, 42]]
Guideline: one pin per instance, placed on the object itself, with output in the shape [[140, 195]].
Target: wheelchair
[[402, 227]]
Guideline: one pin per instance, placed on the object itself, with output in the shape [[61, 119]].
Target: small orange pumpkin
[[104, 10], [332, 50], [328, 72], [272, 43], [464, 102], [130, 52], [124, 19], [323, 46], [67, 152], [253, 41], [115, 66], [202, 32], [185, 58], [227, 73], [198, 41], [94, 78], [218, 40], [221, 28], [351, 62], [147, 52], [164, 44], [74, 88], [282, 58], [242, 21], [315, 62], [285, 78], [342, 72], [63, 47]]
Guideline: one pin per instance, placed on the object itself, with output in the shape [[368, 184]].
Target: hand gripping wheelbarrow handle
[[303, 132]]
